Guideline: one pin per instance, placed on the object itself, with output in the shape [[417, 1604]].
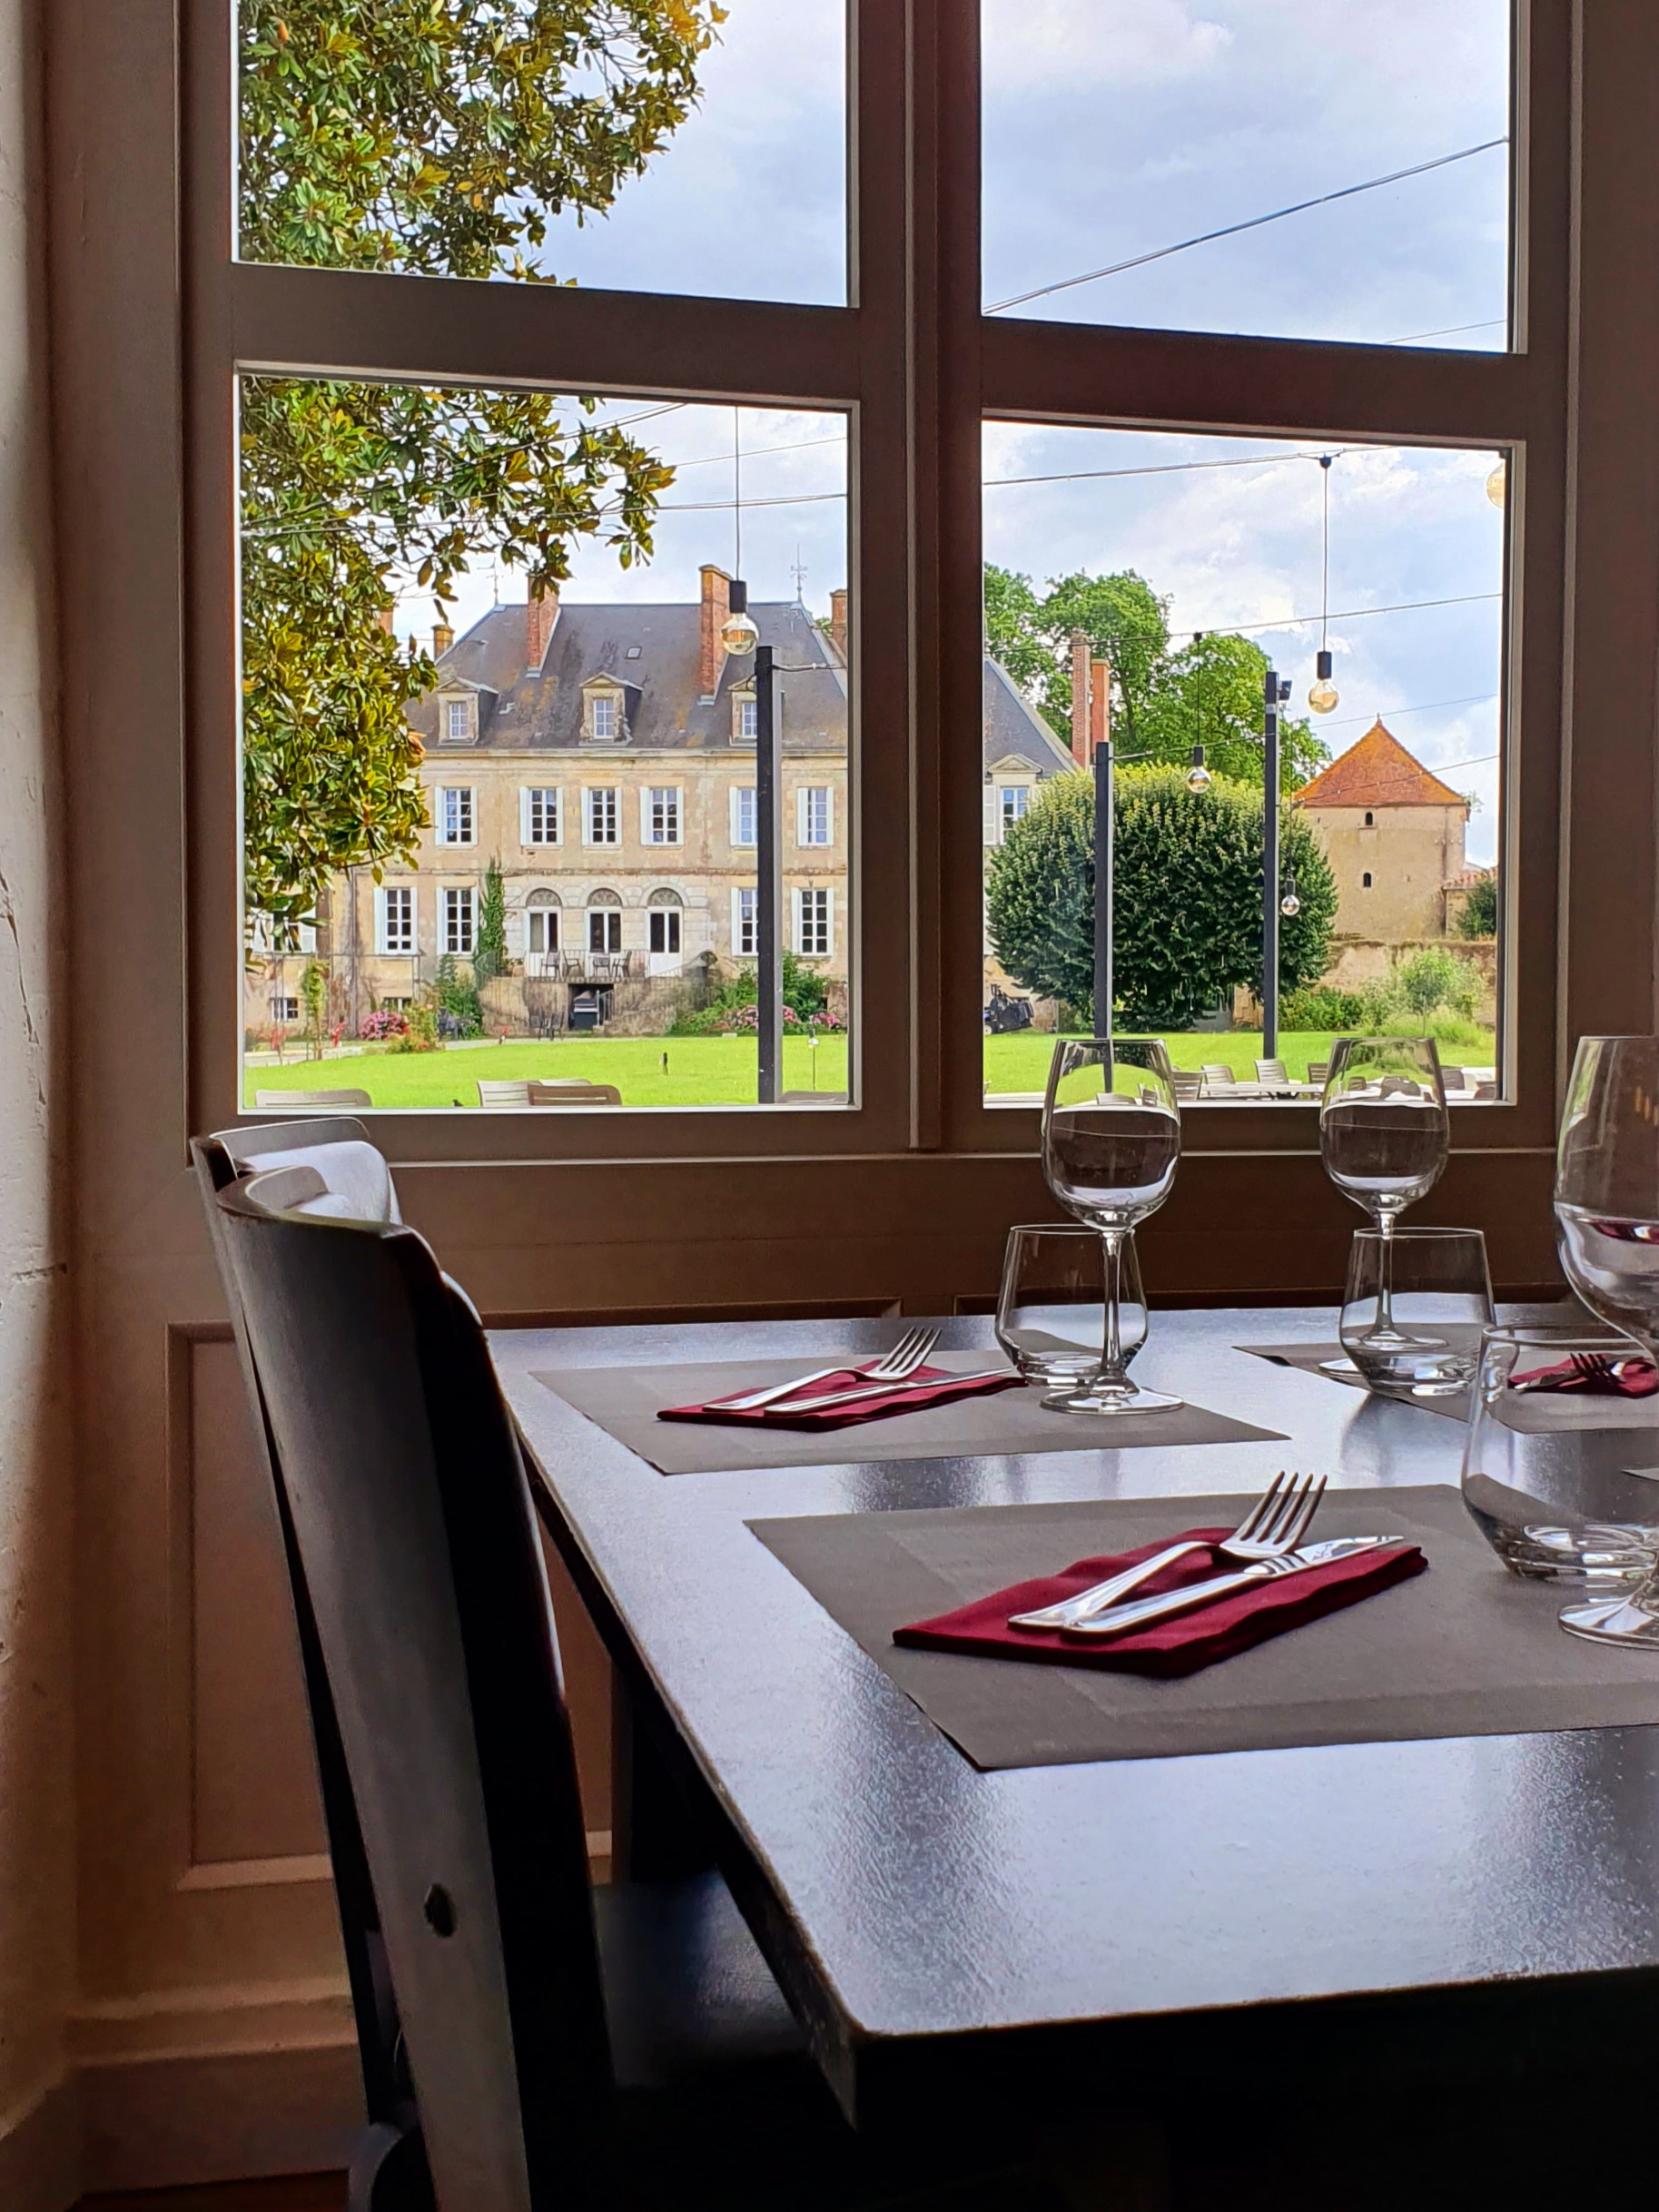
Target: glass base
[[1389, 1340], [1113, 1398], [1612, 1620]]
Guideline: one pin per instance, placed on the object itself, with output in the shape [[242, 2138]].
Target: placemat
[[1311, 1358], [623, 1401], [1464, 1650]]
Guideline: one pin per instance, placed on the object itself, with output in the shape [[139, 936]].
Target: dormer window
[[460, 721], [745, 716], [602, 715]]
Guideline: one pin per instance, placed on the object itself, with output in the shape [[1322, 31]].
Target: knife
[[886, 1389], [1140, 1612]]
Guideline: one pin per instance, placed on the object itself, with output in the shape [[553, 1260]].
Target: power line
[[1254, 222], [1452, 329], [1080, 476], [1350, 614], [1478, 699]]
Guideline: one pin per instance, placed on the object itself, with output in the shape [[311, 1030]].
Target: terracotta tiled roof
[[1378, 772]]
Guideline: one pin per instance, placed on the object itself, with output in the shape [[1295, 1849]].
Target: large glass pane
[[1139, 588], [502, 748], [1286, 168], [697, 147]]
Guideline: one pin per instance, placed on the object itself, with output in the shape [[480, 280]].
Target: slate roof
[[653, 650], [1378, 772]]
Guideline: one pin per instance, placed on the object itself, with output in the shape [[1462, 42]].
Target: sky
[[1116, 128]]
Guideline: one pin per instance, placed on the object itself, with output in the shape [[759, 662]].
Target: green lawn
[[720, 1071], [1020, 1061], [701, 1070]]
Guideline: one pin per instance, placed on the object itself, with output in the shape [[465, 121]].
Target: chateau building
[[604, 757], [1394, 835]]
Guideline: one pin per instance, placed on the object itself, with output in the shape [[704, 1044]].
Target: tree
[[1015, 635], [1212, 692], [1479, 915], [489, 944], [1126, 623], [1188, 906], [436, 137]]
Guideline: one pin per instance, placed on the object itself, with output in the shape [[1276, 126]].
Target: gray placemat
[[1464, 1650], [1311, 1358], [624, 1402]]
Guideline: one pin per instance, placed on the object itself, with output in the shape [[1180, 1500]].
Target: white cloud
[[1040, 46]]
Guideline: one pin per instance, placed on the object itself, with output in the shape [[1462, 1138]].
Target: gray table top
[[931, 1898]]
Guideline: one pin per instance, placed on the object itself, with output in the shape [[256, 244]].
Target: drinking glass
[[1608, 1221], [1383, 1134], [1554, 1478], [1110, 1141], [1441, 1301], [1051, 1314]]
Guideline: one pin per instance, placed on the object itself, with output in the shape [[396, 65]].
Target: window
[[394, 929], [283, 1008], [455, 813], [602, 715], [814, 815], [742, 813], [1365, 880], [663, 920], [659, 814], [812, 922], [1016, 798], [396, 1005], [541, 927], [601, 814], [604, 923], [458, 721], [745, 906], [745, 718], [1370, 819], [539, 815], [455, 910]]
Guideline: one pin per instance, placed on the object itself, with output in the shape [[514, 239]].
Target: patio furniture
[[1189, 1084], [1218, 1076], [577, 1093], [1317, 1071], [277, 1100], [1271, 1072], [497, 1091]]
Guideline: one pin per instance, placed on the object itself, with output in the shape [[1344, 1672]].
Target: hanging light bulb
[[1498, 484], [739, 634], [1289, 905], [1323, 695], [1198, 778]]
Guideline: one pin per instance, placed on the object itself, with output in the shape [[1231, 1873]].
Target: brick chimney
[[1081, 688], [443, 637], [1099, 705], [716, 609], [838, 621], [540, 616]]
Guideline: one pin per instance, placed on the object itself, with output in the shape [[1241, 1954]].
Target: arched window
[[541, 923], [604, 922], [1365, 880], [1370, 819], [663, 920]]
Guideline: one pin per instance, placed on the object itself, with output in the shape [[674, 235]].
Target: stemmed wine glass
[[1384, 1136], [1111, 1141], [1607, 1224]]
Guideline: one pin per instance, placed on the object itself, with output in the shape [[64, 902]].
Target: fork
[[907, 1355], [1274, 1526]]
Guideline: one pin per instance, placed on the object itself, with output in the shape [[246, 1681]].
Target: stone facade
[[1394, 835]]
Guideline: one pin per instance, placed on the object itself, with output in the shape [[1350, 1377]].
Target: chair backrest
[[1219, 1075], [416, 1536], [1189, 1082], [1318, 1070], [1271, 1072], [274, 1100], [568, 1093], [495, 1091], [1453, 1078], [337, 1147]]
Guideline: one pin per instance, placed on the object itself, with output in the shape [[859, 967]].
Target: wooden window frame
[[141, 155]]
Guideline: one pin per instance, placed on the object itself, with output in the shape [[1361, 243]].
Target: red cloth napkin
[[1635, 1378], [927, 1386], [1180, 1646]]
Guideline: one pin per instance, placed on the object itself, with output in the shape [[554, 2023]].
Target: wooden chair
[[566, 2050], [269, 1101]]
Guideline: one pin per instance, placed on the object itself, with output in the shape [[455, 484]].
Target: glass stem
[[1385, 1274], [1112, 1369]]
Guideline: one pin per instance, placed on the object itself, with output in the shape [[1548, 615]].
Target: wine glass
[[1110, 1141], [1608, 1222], [1384, 1136]]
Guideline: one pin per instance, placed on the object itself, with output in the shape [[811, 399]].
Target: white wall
[[37, 1818]]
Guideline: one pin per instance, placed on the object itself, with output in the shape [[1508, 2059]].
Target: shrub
[[384, 1024], [1479, 915], [1436, 978], [419, 1031], [1320, 1008], [454, 997], [732, 1007]]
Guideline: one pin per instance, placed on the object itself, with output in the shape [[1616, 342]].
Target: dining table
[[1365, 1912]]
